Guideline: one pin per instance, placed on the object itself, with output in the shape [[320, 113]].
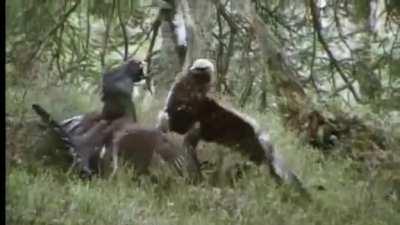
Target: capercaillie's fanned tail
[[55, 126]]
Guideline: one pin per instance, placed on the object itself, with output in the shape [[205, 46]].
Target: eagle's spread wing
[[223, 125]]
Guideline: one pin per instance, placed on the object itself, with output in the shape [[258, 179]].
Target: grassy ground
[[353, 194], [48, 197]]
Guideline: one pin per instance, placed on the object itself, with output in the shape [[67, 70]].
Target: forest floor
[[352, 193]]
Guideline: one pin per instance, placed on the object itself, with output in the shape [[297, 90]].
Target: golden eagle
[[190, 111]]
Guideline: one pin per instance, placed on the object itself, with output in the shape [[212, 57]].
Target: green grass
[[50, 197]]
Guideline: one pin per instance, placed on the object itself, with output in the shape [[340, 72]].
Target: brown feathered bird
[[190, 111], [139, 144], [127, 139], [83, 146], [114, 129], [116, 97]]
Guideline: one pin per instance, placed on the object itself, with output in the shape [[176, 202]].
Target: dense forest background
[[322, 76]]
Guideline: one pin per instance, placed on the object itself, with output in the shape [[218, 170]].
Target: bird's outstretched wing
[[228, 127], [224, 125]]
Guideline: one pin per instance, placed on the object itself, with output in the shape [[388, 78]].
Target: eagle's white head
[[203, 64]]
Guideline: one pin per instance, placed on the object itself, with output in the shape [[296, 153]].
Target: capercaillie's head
[[135, 68]]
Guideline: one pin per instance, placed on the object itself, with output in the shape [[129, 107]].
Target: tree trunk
[[184, 33]]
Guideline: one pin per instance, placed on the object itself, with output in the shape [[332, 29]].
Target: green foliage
[[361, 10], [67, 40], [60, 101], [393, 7], [103, 8], [20, 14]]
